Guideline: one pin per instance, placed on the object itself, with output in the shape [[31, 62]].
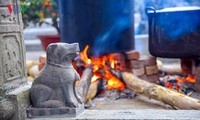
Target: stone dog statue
[[55, 86]]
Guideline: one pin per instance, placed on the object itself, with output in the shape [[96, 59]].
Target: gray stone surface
[[14, 98], [55, 112], [20, 99], [139, 103], [54, 88], [13, 105], [12, 61], [134, 114]]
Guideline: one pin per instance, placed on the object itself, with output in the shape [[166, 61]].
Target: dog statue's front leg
[[79, 98]]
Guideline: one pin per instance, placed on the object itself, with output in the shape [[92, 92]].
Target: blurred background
[[41, 18]]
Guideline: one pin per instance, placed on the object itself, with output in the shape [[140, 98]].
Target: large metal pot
[[174, 32], [105, 25]]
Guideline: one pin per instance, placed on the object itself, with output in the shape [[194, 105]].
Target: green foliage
[[37, 10]]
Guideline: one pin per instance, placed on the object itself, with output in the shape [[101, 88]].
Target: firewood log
[[85, 82], [92, 91], [168, 96]]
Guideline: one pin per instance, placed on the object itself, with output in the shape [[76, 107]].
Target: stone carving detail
[[6, 16], [13, 87], [55, 87], [12, 63], [0, 67], [1, 74]]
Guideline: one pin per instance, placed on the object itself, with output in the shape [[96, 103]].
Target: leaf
[[23, 8]]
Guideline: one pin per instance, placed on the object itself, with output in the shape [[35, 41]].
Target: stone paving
[[133, 114]]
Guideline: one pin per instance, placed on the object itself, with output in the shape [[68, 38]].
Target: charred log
[[173, 98]]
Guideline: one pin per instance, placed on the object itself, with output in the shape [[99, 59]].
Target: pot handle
[[150, 9]]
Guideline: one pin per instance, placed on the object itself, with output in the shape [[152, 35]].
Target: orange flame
[[180, 81], [191, 79], [84, 56], [101, 67], [115, 83]]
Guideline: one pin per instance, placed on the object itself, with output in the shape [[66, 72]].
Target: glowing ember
[[89, 61], [113, 64], [191, 79], [94, 78], [179, 83], [115, 83], [101, 67]]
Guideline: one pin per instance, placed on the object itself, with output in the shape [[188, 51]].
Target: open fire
[[142, 66], [102, 66], [107, 77], [181, 84]]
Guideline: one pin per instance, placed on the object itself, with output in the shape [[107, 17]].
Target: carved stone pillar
[[12, 62]]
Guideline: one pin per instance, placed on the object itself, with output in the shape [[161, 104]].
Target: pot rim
[[152, 10]]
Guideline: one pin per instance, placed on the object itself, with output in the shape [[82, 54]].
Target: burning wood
[[110, 67], [181, 84], [92, 91], [175, 99], [101, 67], [85, 82]]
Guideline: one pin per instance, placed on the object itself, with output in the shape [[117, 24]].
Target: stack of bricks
[[145, 67], [192, 67], [42, 61], [197, 77]]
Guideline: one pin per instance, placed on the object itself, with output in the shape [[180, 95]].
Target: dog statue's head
[[62, 53]]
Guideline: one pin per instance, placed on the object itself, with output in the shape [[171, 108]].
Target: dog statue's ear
[[52, 48]]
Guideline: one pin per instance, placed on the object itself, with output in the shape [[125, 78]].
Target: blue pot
[[174, 32], [107, 26]]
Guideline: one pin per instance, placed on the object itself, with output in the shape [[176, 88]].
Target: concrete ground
[[132, 114], [139, 103], [139, 114]]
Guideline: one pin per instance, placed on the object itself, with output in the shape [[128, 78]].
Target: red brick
[[42, 59], [151, 70], [132, 55], [40, 66], [197, 87], [197, 75], [139, 71], [142, 62], [186, 66], [117, 56]]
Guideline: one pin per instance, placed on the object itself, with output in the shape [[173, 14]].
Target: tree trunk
[[173, 98]]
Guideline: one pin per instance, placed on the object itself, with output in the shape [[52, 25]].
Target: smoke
[[116, 27], [109, 40]]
